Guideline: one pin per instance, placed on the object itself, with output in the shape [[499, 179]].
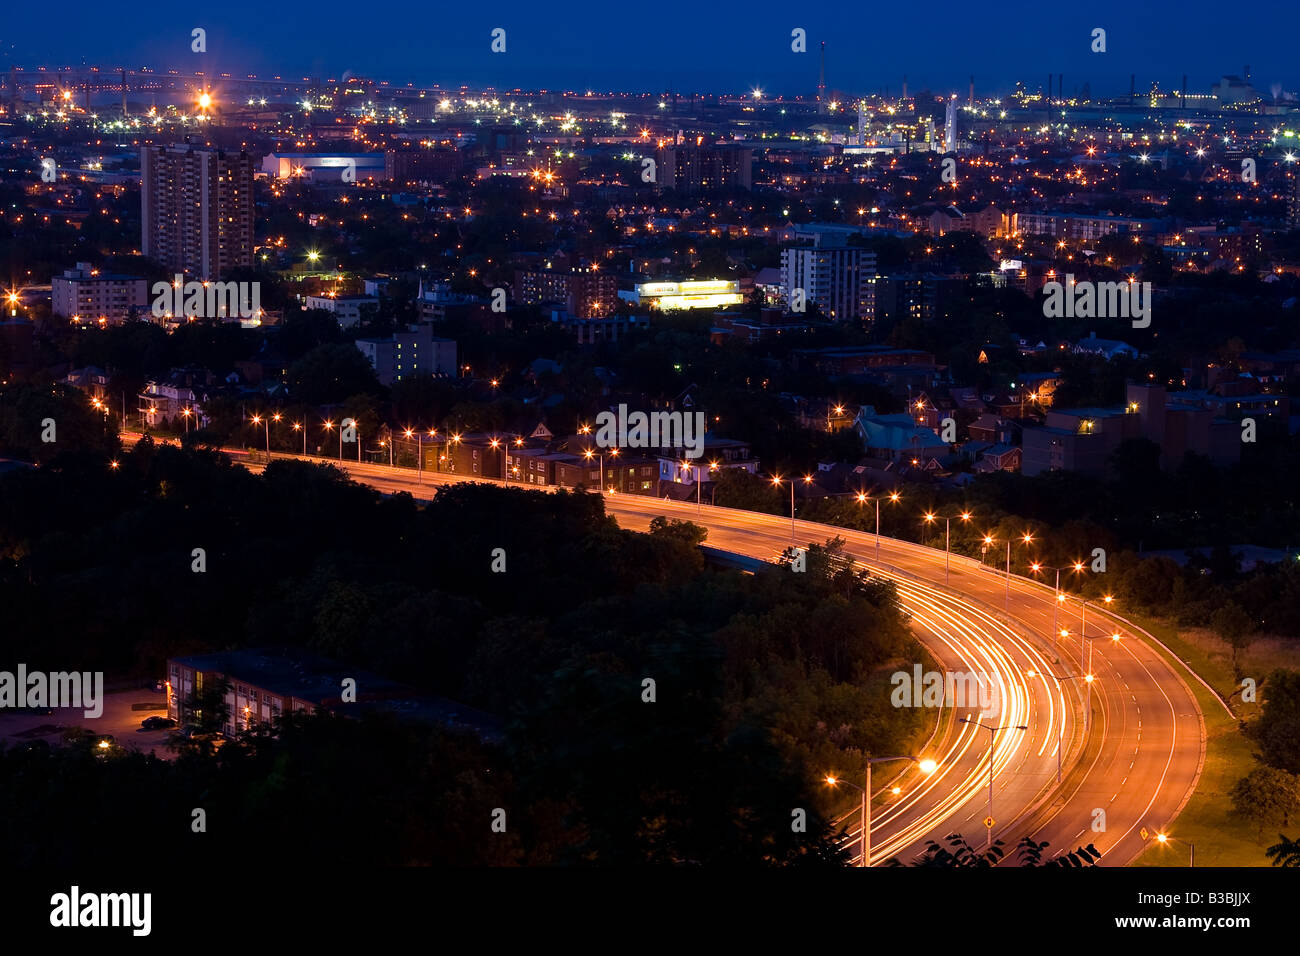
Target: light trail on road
[[1139, 765]]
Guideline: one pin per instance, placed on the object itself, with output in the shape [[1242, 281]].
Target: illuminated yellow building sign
[[691, 294]]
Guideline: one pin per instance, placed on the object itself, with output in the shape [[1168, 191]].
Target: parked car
[[157, 722]]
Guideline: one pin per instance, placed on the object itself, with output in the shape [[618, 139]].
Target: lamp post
[[1027, 538], [930, 517], [433, 433], [1087, 667], [1164, 838], [495, 443], [185, 414], [410, 433], [1083, 619], [988, 837], [454, 440], [589, 454], [927, 767], [1036, 566], [297, 426], [259, 420], [518, 443], [689, 468], [776, 482], [1060, 728], [329, 426], [862, 498]]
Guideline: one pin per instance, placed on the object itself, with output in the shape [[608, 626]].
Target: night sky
[[654, 45]]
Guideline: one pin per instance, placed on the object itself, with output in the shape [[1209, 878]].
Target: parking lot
[[123, 712]]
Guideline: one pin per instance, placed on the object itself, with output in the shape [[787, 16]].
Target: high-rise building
[[1293, 200], [695, 169], [197, 209], [840, 280], [586, 293], [950, 126]]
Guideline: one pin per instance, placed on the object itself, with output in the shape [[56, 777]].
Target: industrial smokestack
[[821, 81], [1060, 87], [904, 86], [1184, 91], [1132, 87], [972, 92]]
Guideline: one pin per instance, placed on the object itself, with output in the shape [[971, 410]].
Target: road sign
[[989, 821]]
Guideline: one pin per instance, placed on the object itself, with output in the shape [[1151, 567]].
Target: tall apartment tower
[[1293, 200], [839, 279], [197, 209], [697, 169], [950, 126]]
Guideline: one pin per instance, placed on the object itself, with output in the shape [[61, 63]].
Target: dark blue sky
[[704, 45]]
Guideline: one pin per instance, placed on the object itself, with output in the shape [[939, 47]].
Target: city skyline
[[606, 437], [713, 51]]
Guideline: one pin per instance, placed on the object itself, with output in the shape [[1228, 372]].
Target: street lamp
[[988, 826], [1164, 838], [410, 433], [297, 426], [266, 422], [1027, 538], [496, 443], [1083, 612], [776, 482], [613, 453], [518, 443], [863, 498], [328, 426], [1077, 567], [589, 454], [926, 766], [1087, 666], [930, 517], [453, 440], [1083, 621], [1060, 728]]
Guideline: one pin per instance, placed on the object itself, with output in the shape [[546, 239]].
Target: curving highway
[[1130, 762]]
